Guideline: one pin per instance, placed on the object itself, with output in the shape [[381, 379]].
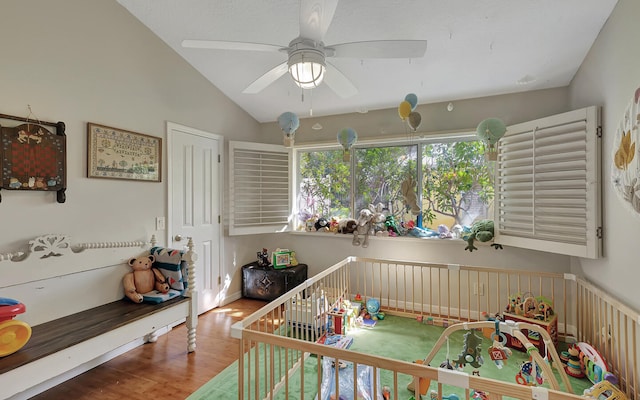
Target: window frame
[[420, 140]]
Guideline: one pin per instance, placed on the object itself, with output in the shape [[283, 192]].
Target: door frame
[[171, 126]]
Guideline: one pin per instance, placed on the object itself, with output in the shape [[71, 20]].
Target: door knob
[[177, 238]]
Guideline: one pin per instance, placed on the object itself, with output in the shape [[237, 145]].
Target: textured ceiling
[[475, 48]]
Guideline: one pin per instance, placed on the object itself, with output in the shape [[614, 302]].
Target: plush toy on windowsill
[[481, 231], [143, 279]]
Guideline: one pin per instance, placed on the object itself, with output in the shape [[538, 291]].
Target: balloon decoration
[[490, 131], [347, 137], [412, 99], [288, 122], [407, 112], [414, 120], [404, 109]]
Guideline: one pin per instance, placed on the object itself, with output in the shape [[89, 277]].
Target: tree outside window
[[456, 182]]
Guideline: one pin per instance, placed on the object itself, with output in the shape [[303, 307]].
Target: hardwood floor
[[163, 370]]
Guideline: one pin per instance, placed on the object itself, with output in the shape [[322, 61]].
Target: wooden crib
[[272, 351]]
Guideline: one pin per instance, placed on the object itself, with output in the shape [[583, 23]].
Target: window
[[259, 188], [543, 192], [452, 180]]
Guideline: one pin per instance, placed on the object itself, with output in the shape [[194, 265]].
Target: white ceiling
[[475, 48]]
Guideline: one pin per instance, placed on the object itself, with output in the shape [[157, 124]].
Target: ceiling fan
[[307, 53]]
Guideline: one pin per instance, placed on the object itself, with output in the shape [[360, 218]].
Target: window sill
[[349, 236]]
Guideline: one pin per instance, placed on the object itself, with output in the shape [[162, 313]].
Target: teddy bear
[[144, 278]]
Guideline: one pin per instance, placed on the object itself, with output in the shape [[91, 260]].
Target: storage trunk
[[267, 283]]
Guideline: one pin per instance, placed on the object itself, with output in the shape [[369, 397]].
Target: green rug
[[394, 337]]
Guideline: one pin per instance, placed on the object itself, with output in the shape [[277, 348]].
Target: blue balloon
[[288, 122], [347, 137], [412, 99]]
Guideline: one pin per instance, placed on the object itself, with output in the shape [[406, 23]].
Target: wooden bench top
[[59, 334]]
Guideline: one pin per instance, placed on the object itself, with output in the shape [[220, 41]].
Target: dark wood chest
[[268, 283]]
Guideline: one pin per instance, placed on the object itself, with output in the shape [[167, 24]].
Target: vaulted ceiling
[[474, 48]]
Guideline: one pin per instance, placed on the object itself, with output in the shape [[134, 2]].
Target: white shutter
[[259, 188], [548, 185]]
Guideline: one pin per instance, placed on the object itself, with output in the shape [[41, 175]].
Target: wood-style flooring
[[163, 370]]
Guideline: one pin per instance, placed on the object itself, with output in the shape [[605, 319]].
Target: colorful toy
[[498, 352], [530, 374], [593, 364], [14, 334], [373, 308], [605, 390], [573, 367], [143, 279]]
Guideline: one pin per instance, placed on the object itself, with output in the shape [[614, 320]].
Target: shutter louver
[[548, 185], [259, 183]]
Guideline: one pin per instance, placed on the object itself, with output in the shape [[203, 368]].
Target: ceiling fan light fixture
[[307, 68]]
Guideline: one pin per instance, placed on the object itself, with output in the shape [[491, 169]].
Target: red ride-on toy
[[13, 333]]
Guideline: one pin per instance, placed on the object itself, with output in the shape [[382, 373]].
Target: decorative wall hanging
[[118, 154], [33, 156], [625, 171]]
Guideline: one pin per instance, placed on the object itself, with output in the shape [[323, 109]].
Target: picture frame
[[281, 259], [33, 156], [114, 153]]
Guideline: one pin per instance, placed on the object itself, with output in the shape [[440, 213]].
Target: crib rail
[[612, 328], [279, 341]]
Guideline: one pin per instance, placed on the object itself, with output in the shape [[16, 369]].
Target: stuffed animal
[[347, 225], [144, 278], [363, 227], [322, 225], [481, 231]]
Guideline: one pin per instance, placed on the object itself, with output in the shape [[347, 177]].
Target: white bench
[[76, 308]]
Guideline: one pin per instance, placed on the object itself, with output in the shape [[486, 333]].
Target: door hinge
[[599, 132], [218, 158], [219, 280], [218, 219], [599, 232]]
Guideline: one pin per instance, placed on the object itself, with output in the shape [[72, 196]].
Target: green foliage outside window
[[457, 185]]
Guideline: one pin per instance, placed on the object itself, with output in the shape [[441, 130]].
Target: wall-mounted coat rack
[[33, 156]]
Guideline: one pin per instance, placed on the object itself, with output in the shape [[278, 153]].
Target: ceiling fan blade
[[267, 79], [339, 83], [315, 18], [227, 45], [381, 49]]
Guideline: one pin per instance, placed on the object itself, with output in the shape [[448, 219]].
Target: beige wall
[[609, 76], [511, 108]]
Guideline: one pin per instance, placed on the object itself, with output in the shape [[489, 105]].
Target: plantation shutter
[[548, 185], [259, 188]]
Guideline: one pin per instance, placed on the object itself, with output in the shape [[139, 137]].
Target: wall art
[[120, 154], [625, 170], [33, 156]]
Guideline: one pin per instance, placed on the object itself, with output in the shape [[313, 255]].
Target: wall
[[609, 76], [80, 61], [511, 108]]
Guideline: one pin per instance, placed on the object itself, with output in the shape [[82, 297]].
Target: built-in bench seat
[[62, 333], [65, 344]]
